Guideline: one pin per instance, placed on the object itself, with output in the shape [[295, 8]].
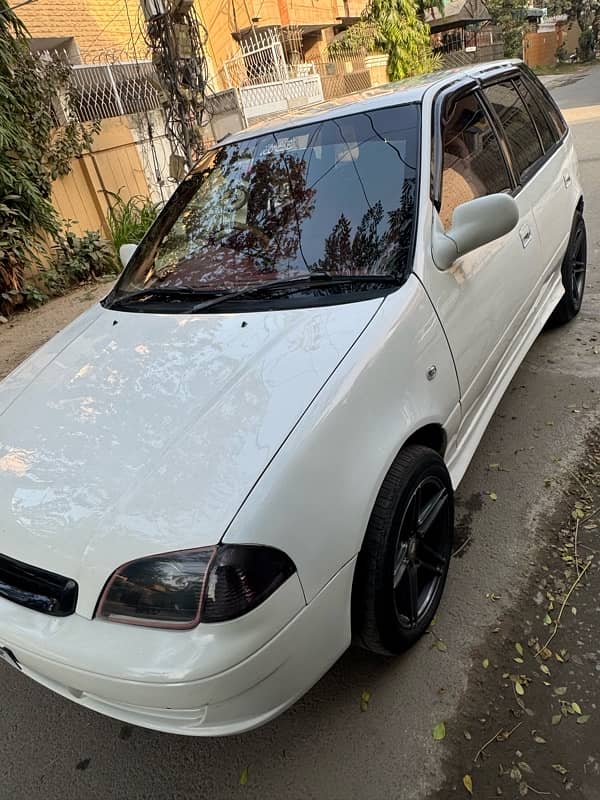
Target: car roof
[[409, 90]]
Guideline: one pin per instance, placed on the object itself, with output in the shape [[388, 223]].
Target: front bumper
[[209, 689]]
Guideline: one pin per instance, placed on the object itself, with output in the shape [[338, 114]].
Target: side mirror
[[474, 224], [126, 251]]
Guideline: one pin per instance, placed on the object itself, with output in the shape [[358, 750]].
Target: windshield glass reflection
[[337, 197]]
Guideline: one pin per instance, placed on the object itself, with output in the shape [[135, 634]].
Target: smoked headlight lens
[[240, 578], [181, 589]]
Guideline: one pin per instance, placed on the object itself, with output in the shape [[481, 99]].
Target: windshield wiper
[[321, 279], [162, 293]]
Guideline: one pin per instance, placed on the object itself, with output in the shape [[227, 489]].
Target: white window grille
[[101, 91], [266, 84], [261, 59]]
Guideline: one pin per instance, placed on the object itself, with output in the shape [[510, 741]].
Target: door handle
[[525, 234], [567, 180]]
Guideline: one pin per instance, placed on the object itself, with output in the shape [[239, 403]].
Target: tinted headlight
[[181, 589]]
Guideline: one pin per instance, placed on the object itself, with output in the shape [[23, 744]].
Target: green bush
[[586, 45], [78, 259], [129, 220], [33, 153]]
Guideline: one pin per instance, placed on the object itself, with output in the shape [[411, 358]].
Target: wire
[[177, 43], [149, 129], [14, 8], [108, 24]]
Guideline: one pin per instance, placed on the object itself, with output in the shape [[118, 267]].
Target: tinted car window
[[517, 124], [542, 123], [473, 164], [545, 100], [335, 197]]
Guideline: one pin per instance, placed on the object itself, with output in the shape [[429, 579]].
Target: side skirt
[[476, 421]]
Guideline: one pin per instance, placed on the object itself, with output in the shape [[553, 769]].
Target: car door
[[540, 168], [480, 299], [556, 182]]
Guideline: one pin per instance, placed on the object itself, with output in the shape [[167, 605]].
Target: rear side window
[[518, 125], [473, 164], [542, 123], [547, 103]]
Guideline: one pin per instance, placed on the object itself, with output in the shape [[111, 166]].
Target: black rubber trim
[[449, 92], [37, 588]]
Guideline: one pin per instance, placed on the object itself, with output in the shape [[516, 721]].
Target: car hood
[[134, 433]]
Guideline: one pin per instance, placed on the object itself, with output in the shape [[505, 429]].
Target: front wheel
[[403, 563], [573, 274]]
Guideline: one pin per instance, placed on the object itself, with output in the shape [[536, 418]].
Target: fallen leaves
[[468, 783], [582, 719], [244, 776], [492, 495], [364, 700], [439, 731]]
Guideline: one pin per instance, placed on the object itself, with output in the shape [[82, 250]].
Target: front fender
[[314, 499]]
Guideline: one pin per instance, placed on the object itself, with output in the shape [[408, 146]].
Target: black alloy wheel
[[404, 560], [578, 264], [573, 274], [422, 554]]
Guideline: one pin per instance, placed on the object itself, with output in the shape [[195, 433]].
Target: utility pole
[[176, 39]]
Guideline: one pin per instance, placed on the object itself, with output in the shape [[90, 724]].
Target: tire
[[573, 274], [403, 563]]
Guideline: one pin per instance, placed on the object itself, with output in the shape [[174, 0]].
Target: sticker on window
[[282, 146]]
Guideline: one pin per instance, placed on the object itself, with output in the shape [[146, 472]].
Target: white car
[[245, 456]]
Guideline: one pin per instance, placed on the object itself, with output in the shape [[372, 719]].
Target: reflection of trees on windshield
[[369, 250], [278, 201], [335, 196]]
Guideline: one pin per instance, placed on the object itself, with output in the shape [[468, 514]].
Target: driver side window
[[473, 165]]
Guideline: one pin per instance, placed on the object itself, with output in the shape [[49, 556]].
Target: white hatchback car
[[245, 456]]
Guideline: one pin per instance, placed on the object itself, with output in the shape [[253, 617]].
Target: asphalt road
[[325, 747]]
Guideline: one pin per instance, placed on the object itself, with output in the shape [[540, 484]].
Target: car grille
[[36, 588]]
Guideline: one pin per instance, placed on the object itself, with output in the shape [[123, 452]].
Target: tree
[[401, 34], [34, 151], [586, 12], [423, 6], [508, 16]]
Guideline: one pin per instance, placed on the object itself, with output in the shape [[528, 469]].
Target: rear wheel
[[573, 274], [403, 563]]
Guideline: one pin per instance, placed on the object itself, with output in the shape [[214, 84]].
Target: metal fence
[[343, 74], [280, 96], [102, 91], [265, 82], [261, 59], [457, 39]]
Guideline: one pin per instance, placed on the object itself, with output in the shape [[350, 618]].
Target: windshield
[[334, 199]]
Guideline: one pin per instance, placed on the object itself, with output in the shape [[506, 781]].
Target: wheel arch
[[432, 435]]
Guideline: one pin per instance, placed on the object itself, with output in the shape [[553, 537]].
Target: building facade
[[109, 31]]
